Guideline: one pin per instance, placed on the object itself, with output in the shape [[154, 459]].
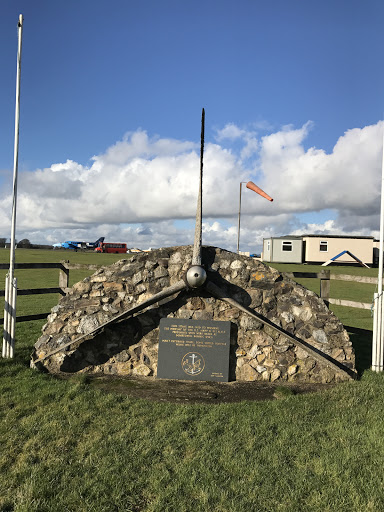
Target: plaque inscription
[[193, 349]]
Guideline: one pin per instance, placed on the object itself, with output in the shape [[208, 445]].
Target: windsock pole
[[259, 191], [238, 221], [378, 312], [11, 283]]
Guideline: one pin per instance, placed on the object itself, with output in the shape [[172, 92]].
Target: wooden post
[[6, 337], [64, 276], [13, 295], [325, 286]]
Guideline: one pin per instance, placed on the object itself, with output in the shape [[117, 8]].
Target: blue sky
[[111, 97]]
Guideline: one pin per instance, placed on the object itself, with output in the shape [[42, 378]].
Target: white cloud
[[230, 131], [328, 227], [300, 180], [136, 188]]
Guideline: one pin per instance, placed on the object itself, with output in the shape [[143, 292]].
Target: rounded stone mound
[[258, 351]]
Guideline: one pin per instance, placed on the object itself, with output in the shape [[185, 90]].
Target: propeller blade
[[196, 256], [167, 292], [219, 293]]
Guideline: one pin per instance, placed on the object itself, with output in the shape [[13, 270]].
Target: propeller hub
[[196, 276]]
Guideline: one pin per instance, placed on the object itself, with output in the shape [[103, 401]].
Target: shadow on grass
[[27, 333], [362, 343]]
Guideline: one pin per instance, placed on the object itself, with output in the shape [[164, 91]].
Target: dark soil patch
[[180, 391]]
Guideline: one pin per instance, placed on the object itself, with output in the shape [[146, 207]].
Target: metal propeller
[[196, 257], [196, 274], [195, 278]]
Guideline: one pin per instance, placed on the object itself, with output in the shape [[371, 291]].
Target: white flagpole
[[378, 330], [10, 300]]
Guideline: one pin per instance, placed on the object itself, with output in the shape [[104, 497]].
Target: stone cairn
[[130, 347]]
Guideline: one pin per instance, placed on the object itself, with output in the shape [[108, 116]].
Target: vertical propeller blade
[[196, 257]]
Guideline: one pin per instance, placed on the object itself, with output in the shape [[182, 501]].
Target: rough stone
[[255, 351], [292, 369], [246, 372], [320, 336], [115, 287], [87, 324], [275, 374], [301, 353], [142, 370], [236, 264]]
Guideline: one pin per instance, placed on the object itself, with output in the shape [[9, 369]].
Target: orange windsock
[[258, 190]]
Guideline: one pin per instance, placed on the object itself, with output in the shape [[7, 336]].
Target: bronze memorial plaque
[[193, 349]]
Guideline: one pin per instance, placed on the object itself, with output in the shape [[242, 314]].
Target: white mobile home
[[318, 249], [321, 248], [283, 249]]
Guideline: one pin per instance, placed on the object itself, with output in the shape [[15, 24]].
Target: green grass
[[65, 446], [359, 292]]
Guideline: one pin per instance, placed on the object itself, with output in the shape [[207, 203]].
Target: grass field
[[65, 446]]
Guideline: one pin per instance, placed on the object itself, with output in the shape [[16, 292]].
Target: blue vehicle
[[70, 244]]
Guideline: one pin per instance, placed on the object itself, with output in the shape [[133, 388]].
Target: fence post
[[64, 276], [325, 286], [6, 338]]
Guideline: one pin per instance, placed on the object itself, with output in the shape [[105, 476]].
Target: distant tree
[[2, 242], [24, 243]]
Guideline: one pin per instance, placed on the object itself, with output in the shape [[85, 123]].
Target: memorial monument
[[126, 319]]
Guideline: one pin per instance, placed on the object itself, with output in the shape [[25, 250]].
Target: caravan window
[[323, 246], [287, 246]]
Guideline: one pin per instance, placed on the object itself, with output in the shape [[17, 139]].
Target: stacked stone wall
[[130, 347]]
